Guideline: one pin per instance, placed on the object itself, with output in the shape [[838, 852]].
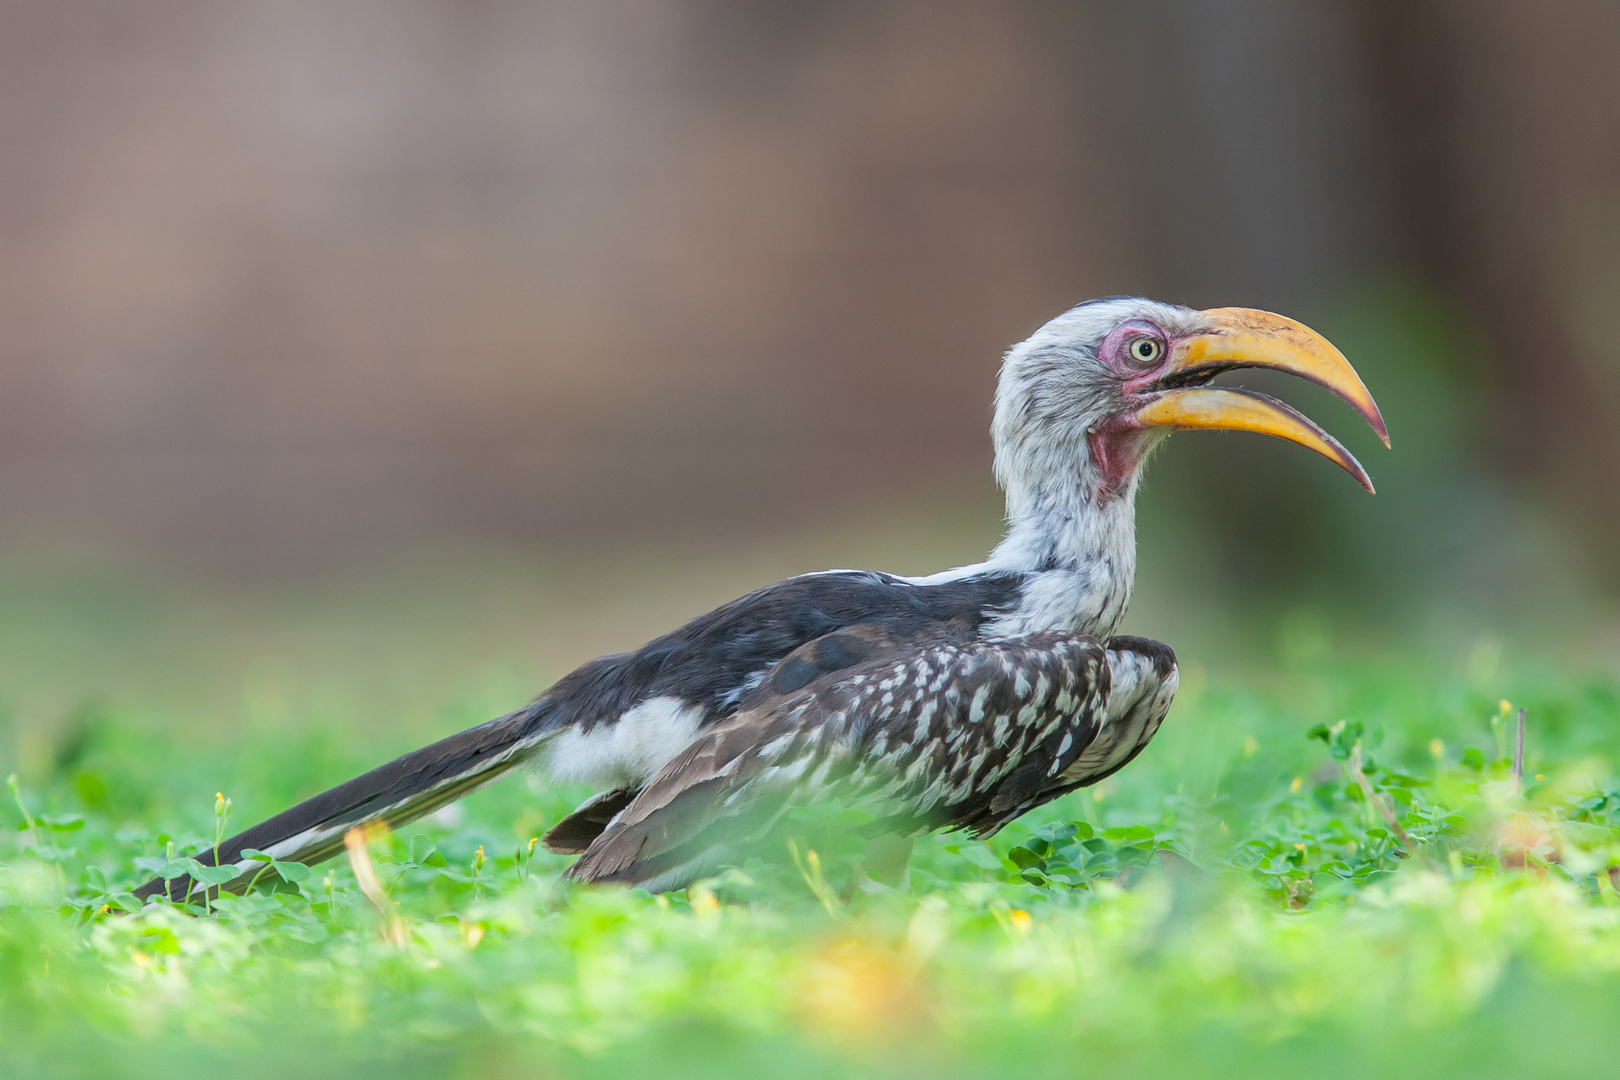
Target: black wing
[[924, 733], [718, 658]]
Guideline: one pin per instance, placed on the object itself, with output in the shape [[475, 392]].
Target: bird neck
[[1077, 542]]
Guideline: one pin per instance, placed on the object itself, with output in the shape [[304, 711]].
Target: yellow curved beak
[[1240, 338]]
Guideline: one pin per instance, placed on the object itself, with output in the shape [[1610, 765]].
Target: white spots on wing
[[774, 748], [1130, 717], [925, 717], [1000, 735], [628, 751], [1021, 686], [915, 769], [818, 779], [976, 708], [786, 773]]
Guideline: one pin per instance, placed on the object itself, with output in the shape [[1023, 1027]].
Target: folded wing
[[938, 732]]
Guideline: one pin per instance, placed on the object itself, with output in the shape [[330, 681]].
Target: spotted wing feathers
[[941, 731], [1143, 680]]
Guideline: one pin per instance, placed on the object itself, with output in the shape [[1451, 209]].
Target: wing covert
[[945, 731]]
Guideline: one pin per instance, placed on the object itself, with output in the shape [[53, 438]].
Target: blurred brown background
[[288, 286]]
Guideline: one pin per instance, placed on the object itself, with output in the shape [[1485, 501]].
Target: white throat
[[1077, 553], [1078, 547]]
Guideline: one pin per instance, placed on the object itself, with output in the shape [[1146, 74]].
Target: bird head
[[1084, 400]]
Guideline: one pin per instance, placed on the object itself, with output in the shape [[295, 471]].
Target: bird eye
[[1145, 351]]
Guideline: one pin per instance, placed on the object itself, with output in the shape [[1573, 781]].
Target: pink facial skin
[[1115, 351], [1117, 445]]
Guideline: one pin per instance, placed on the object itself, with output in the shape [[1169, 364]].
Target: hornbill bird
[[957, 701]]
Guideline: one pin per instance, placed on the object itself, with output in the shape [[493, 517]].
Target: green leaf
[[60, 823], [976, 854], [209, 875], [1585, 833], [291, 871], [1024, 858]]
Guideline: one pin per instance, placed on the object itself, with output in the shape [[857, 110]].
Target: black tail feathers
[[396, 793]]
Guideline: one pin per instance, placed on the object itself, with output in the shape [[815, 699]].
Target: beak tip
[[1353, 467], [1375, 420]]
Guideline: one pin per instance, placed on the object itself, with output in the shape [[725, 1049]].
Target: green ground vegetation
[[1325, 863]]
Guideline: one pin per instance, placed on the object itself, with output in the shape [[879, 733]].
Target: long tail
[[396, 793]]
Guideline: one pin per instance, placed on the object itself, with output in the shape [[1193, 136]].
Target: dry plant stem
[[1518, 756], [393, 927], [1354, 765]]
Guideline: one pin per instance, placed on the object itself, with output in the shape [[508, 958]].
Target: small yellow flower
[[1021, 920], [1295, 786], [1437, 749], [1505, 705], [704, 902]]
